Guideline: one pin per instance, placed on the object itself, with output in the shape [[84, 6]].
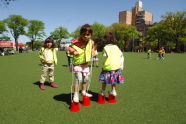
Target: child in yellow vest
[[48, 58], [82, 50], [111, 72]]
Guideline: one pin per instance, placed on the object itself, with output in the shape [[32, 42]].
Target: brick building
[[137, 17]]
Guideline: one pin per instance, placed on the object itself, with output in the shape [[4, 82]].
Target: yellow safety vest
[[41, 55], [84, 55], [113, 60], [68, 54]]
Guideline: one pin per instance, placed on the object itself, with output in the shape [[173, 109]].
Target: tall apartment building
[[138, 17], [125, 17]]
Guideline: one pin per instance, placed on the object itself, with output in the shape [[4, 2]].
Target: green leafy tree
[[170, 32], [37, 44], [60, 33], [2, 27], [156, 35], [98, 34], [4, 37], [125, 34], [150, 42], [2, 30], [35, 30], [16, 24], [76, 33], [175, 24], [98, 30]]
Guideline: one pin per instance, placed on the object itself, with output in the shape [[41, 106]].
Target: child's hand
[[76, 53]]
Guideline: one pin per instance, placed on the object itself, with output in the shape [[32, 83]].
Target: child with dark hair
[[48, 58], [111, 71], [82, 50]]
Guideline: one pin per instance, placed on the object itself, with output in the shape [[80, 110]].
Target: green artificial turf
[[154, 92]]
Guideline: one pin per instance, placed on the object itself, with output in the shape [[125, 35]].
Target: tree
[[175, 24], [59, 34], [4, 37], [170, 32], [37, 44], [2, 27], [76, 33], [125, 34], [35, 30], [2, 30], [16, 24], [98, 34], [98, 31], [156, 35]]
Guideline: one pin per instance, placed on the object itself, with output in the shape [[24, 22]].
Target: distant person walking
[[48, 58]]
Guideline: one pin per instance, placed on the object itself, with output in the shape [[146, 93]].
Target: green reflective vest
[[113, 60], [41, 55], [84, 55]]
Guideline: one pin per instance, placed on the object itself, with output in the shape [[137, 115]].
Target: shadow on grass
[[64, 98], [40, 64], [38, 82], [65, 65], [94, 96]]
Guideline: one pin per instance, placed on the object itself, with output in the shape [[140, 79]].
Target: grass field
[[154, 92]]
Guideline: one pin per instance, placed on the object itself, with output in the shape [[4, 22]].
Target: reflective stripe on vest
[[113, 60], [84, 55]]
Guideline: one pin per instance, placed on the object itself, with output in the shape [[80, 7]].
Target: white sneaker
[[113, 93], [86, 94], [76, 98]]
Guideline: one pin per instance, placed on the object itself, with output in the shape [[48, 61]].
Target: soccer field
[[154, 92]]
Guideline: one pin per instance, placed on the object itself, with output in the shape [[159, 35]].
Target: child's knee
[[78, 80], [86, 79]]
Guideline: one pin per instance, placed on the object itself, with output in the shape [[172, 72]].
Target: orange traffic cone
[[101, 99], [112, 99], [86, 100], [74, 107]]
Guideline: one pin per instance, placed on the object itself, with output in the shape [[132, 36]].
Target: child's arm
[[73, 51], [93, 49], [55, 56], [41, 55]]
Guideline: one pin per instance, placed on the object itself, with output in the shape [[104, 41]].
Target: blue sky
[[73, 13]]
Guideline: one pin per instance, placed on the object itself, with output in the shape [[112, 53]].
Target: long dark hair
[[49, 40]]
